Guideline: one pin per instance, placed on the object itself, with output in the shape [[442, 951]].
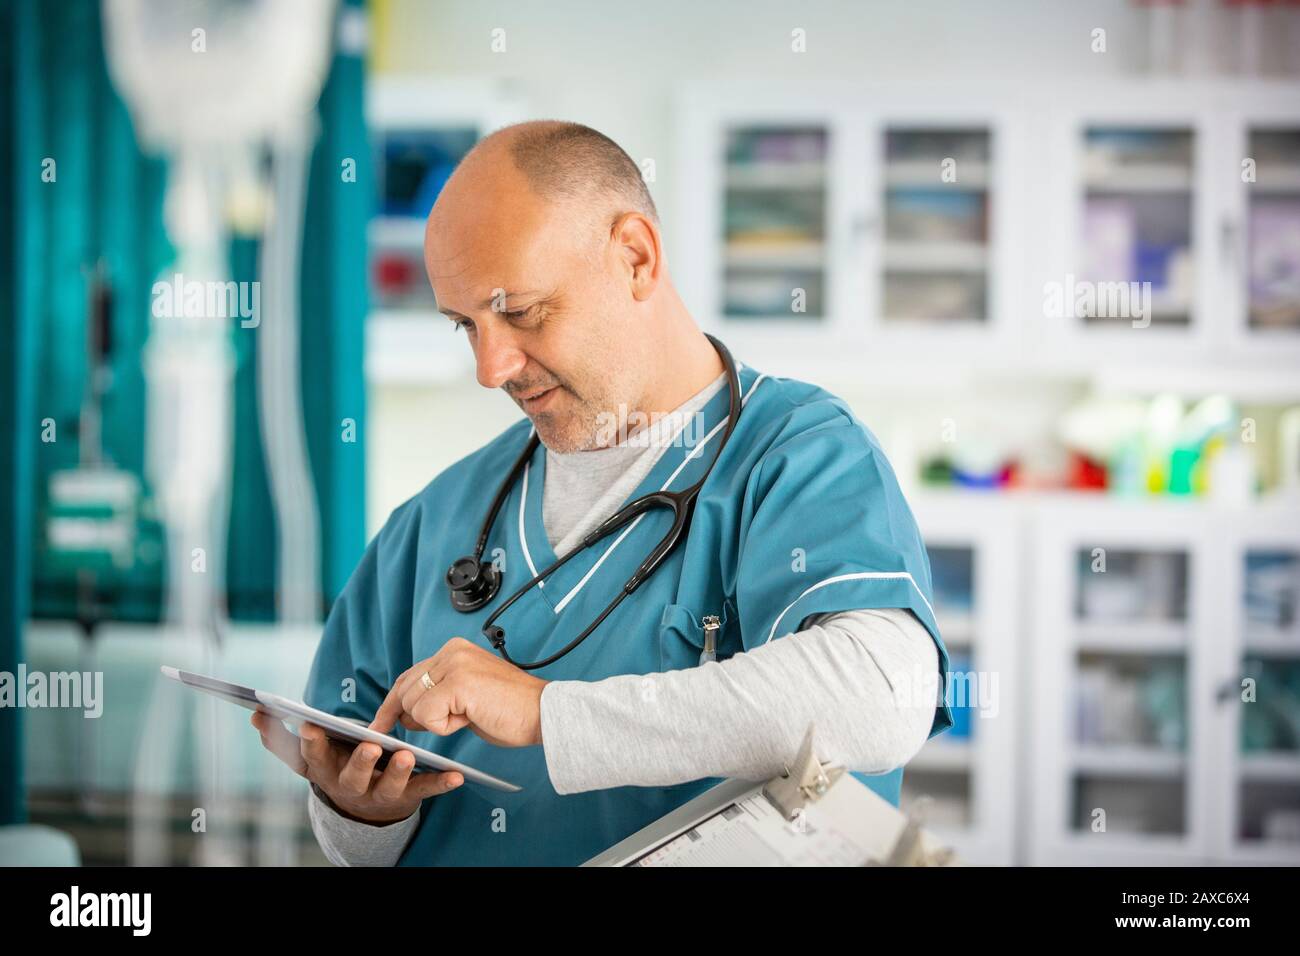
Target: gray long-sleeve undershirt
[[854, 674]]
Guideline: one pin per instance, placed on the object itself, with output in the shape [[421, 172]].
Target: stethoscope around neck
[[473, 583]]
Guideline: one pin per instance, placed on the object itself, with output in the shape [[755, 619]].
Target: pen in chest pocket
[[711, 625]]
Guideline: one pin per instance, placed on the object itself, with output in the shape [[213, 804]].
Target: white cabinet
[[1164, 655], [763, 210], [1256, 786], [1259, 169], [1121, 646], [420, 130], [969, 773], [1144, 670], [1193, 188], [815, 227], [938, 256], [1132, 223], [1002, 229]]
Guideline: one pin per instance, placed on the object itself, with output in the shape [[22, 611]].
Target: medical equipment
[[99, 542], [811, 815], [473, 584]]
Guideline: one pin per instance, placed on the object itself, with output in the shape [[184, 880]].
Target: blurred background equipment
[[253, 90], [189, 503]]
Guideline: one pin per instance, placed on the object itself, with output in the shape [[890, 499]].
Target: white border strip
[[857, 576], [523, 537]]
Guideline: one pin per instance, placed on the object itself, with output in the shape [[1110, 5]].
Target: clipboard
[[810, 815]]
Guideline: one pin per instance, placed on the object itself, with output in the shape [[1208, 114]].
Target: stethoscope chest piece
[[473, 583]]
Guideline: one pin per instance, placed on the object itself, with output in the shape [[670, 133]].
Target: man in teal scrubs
[[800, 595]]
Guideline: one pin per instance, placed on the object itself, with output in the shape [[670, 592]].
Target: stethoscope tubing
[[681, 503]]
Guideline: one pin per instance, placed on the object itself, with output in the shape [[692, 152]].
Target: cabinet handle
[[1230, 235], [865, 225], [1228, 690]]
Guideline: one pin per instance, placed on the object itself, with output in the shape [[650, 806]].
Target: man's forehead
[[468, 265], [467, 275], [484, 222]]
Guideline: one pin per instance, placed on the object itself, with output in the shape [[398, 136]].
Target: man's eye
[[461, 325], [514, 316]]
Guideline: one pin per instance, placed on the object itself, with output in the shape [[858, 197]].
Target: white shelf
[[1265, 649], [1165, 305], [1272, 767], [1132, 637], [1152, 178], [780, 255], [942, 755], [415, 347], [1137, 762], [904, 357], [1269, 640], [917, 174], [957, 628], [1080, 847], [776, 175], [1276, 179], [1241, 382], [908, 326], [926, 257], [401, 231]]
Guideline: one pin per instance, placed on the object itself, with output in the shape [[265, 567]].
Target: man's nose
[[497, 358]]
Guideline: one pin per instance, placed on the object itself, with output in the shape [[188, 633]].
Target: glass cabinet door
[[1272, 232], [936, 254], [1137, 238], [1267, 797], [775, 187], [1130, 676], [942, 771]]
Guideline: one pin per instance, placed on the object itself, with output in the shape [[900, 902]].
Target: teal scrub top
[[802, 515]]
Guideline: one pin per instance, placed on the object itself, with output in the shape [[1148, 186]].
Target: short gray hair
[[563, 160]]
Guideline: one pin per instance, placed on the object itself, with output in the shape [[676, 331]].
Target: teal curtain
[[105, 207], [77, 194], [334, 304], [17, 419]]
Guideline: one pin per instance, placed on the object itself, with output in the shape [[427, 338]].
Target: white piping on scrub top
[[697, 450], [857, 576], [523, 537], [676, 471]]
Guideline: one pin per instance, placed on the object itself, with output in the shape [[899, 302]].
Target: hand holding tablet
[[367, 775]]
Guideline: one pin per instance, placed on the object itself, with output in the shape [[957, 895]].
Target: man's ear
[[638, 242]]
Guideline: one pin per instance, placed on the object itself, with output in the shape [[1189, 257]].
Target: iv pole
[[208, 83]]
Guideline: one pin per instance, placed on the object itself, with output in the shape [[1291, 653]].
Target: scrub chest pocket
[[682, 635]]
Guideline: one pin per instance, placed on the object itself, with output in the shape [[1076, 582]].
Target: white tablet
[[336, 728]]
